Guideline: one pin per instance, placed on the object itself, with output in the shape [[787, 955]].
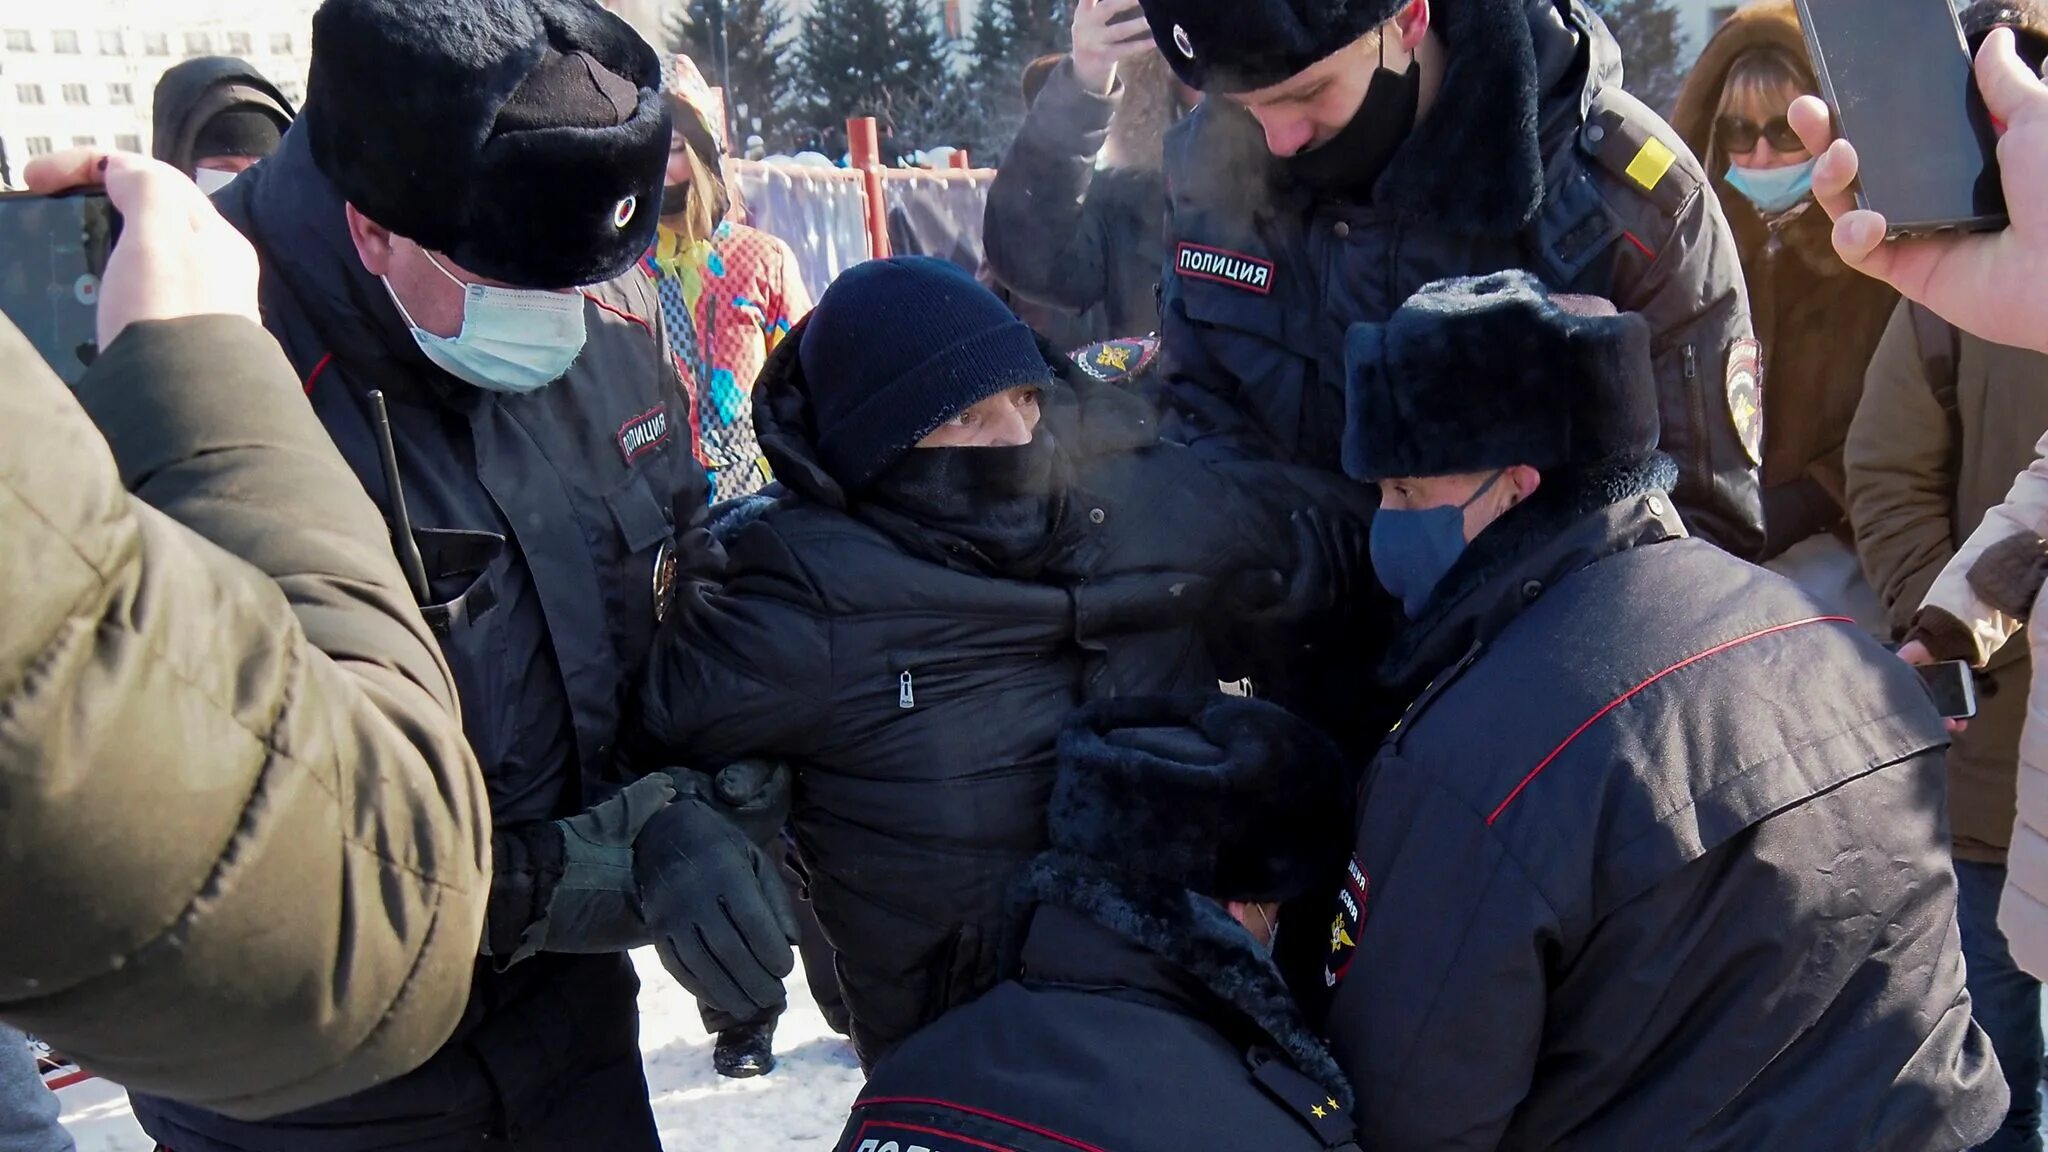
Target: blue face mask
[[1413, 549], [514, 340], [1773, 190]]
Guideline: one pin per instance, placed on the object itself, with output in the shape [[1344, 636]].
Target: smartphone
[[1898, 76], [53, 251], [1953, 687]]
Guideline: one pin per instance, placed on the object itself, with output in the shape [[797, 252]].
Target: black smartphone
[[1953, 687], [1898, 76], [53, 251]]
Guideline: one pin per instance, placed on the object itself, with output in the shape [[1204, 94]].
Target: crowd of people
[[1363, 627]]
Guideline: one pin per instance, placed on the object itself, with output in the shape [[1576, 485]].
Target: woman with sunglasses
[[1818, 322]]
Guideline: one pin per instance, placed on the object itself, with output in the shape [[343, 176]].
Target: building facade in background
[[81, 72]]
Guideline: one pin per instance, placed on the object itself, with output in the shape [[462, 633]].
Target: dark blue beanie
[[896, 348]]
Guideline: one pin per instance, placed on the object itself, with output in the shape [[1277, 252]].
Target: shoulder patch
[[1630, 148], [1347, 922], [1117, 361], [1224, 267], [1746, 396], [644, 433]]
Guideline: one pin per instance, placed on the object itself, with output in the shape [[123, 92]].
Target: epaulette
[[1118, 361], [1622, 137]]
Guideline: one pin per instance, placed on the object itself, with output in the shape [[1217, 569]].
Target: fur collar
[[1571, 522], [1197, 937]]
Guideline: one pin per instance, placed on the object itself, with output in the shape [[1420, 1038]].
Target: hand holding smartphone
[[1898, 77]]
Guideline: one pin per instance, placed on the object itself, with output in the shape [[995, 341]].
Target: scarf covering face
[[1004, 503]]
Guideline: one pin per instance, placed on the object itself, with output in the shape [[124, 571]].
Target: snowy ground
[[802, 1104]]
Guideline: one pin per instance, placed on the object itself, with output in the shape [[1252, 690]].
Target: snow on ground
[[802, 1104]]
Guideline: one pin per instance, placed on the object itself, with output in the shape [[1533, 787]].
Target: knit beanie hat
[[896, 348]]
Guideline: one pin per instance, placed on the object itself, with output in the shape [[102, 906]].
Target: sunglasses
[[1739, 135]]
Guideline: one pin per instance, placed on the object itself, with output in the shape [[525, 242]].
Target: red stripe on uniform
[[317, 370], [1645, 249], [915, 1101], [897, 1126], [1632, 693], [621, 313]]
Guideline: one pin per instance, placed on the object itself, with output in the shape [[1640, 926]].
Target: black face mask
[[1351, 162], [675, 200], [1001, 501]]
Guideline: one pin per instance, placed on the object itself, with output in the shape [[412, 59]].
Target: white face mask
[[211, 180], [514, 340]]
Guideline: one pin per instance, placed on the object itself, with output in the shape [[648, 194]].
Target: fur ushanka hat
[[1244, 45], [1480, 373], [524, 139]]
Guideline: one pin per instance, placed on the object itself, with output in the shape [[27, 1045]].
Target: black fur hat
[[1481, 373], [524, 139], [1228, 798], [1244, 45]]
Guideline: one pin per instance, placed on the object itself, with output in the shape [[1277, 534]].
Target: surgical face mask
[[1413, 549], [513, 340], [1773, 190], [211, 180], [1351, 162]]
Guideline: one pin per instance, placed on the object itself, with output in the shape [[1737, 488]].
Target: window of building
[[28, 93], [120, 94], [85, 141], [19, 40], [198, 44], [156, 44], [111, 44], [64, 43], [238, 44], [128, 142], [39, 146], [280, 43], [75, 94]]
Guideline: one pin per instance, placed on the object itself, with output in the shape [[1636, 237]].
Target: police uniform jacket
[[540, 519], [1113, 1039], [1532, 157], [919, 687], [1657, 860]]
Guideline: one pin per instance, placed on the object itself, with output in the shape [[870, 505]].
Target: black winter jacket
[[919, 691], [1532, 157], [543, 520], [1657, 861], [1062, 232], [1135, 1027]]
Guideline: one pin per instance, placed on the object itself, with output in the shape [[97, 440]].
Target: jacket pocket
[[458, 567]]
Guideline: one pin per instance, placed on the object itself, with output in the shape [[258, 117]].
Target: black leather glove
[[716, 907], [1332, 564]]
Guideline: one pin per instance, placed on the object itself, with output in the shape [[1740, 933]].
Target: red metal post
[[864, 141], [959, 159]]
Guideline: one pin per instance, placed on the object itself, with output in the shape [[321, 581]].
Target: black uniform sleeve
[[1045, 240], [739, 671], [1440, 1017], [1676, 264]]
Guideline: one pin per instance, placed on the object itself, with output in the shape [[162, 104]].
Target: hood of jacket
[[1769, 24], [286, 205], [194, 92], [1520, 74]]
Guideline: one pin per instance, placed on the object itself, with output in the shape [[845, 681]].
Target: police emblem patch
[[886, 1136], [1182, 42], [1225, 267], [665, 564], [1746, 396], [1114, 361], [1347, 923], [644, 433]]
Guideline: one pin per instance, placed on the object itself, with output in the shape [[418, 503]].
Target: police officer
[[448, 237], [1353, 150], [1658, 858], [1149, 1016]]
